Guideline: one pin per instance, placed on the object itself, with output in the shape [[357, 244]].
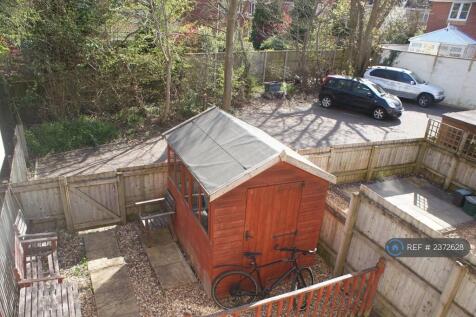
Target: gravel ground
[[155, 301], [74, 266]]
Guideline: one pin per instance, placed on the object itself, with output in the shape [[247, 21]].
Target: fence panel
[[143, 184], [41, 203], [19, 170], [351, 294], [8, 287]]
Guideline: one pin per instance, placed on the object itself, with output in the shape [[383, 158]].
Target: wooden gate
[[92, 203]]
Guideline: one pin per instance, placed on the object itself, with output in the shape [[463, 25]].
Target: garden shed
[[237, 190]]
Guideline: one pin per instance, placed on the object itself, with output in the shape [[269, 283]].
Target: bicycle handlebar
[[296, 250]]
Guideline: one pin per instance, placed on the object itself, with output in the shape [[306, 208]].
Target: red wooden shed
[[237, 189]]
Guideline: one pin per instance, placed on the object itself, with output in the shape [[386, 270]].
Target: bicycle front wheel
[[234, 288]]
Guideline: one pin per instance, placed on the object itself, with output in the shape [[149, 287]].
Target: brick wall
[[438, 19]]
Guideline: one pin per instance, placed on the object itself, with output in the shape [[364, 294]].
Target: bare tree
[[363, 25], [161, 16], [229, 48]]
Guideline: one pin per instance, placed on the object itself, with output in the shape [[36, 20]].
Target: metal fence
[[265, 65]]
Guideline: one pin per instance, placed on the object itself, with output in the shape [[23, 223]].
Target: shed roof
[[448, 35], [222, 151]]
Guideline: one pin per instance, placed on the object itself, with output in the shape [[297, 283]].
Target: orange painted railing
[[348, 295]]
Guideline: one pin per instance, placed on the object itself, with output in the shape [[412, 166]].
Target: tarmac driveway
[[303, 123], [298, 123]]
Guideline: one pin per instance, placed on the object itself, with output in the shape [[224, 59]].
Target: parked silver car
[[406, 84]]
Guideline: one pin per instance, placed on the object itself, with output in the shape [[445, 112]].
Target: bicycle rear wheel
[[304, 278], [234, 288]]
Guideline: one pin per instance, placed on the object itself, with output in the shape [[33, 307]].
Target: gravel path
[[74, 266], [155, 301], [152, 299]]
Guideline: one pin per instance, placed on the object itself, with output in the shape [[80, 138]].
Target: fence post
[[451, 288], [380, 268], [264, 65], [348, 231], [121, 196], [371, 165], [64, 194], [285, 65], [421, 156], [455, 162]]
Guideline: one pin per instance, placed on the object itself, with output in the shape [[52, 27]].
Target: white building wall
[[456, 76]]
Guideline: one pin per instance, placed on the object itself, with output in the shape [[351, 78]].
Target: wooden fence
[[19, 171], [8, 286], [346, 295], [366, 161], [449, 156], [354, 238], [88, 201]]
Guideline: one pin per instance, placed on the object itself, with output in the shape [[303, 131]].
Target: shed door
[[271, 220]]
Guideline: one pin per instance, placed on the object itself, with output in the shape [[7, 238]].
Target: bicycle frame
[[256, 269]]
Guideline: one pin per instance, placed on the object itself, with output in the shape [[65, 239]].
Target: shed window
[[195, 197], [460, 10], [204, 214], [191, 191], [186, 187]]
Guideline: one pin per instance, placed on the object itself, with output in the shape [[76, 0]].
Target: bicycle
[[238, 287]]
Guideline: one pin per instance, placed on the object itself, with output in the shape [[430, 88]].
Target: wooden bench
[[49, 299], [159, 219], [36, 255]]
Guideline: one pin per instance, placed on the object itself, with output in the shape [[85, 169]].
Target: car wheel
[[326, 102], [379, 113], [425, 100]]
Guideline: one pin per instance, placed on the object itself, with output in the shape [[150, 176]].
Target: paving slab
[[423, 201], [166, 259], [109, 276]]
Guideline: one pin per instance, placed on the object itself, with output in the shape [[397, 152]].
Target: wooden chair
[[36, 256]]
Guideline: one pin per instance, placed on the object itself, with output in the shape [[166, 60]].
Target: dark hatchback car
[[359, 94]]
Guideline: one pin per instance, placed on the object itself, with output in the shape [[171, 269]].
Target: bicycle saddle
[[251, 254]]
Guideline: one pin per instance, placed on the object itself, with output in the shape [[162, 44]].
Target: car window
[[378, 73], [361, 89], [376, 89], [418, 79], [405, 78], [393, 75], [343, 84], [331, 83]]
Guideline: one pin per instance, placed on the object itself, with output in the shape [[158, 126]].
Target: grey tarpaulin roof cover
[[219, 149]]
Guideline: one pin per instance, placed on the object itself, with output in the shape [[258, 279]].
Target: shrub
[[274, 43], [59, 136]]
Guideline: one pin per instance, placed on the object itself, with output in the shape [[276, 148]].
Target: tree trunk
[[230, 32], [168, 87]]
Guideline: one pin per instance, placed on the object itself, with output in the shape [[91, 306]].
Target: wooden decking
[[45, 299]]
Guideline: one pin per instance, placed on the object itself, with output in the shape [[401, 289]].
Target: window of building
[[460, 11]]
